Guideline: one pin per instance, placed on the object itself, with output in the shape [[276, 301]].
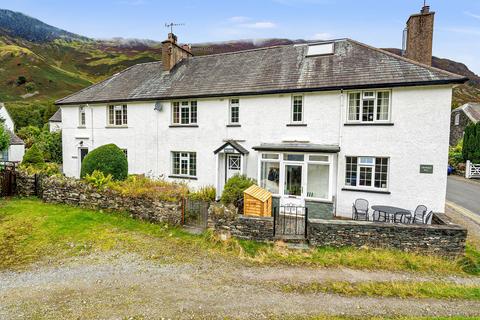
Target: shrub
[[4, 138], [471, 143], [108, 159], [98, 179], [142, 187], [233, 190], [455, 154], [29, 135], [33, 156], [206, 193], [48, 169], [49, 143]]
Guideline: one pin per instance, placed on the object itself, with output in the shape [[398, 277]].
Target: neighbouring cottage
[[461, 117], [317, 124], [16, 150], [55, 121]]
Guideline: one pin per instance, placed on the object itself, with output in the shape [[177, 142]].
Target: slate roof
[[57, 116], [299, 147], [234, 144], [262, 71], [14, 139], [472, 110]]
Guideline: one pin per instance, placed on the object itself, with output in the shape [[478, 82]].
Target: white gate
[[472, 170]]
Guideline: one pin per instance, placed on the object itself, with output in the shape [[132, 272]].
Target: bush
[[207, 193], [233, 190], [33, 156], [99, 180], [48, 169], [29, 135], [49, 143], [109, 159], [455, 154], [4, 138], [138, 186]]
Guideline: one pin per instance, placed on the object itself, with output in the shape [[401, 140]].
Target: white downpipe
[[337, 165], [217, 183], [91, 125]]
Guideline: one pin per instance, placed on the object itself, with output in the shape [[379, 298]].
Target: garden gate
[[472, 170], [8, 179], [195, 213], [290, 222]]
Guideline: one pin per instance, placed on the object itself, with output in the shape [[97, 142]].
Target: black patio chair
[[419, 214], [360, 210], [428, 218], [402, 217]]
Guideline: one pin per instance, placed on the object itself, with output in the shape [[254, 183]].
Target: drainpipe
[[91, 123], [340, 136]]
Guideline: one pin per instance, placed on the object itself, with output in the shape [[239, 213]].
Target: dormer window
[[320, 49]]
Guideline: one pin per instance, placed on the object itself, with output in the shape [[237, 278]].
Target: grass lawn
[[31, 230]]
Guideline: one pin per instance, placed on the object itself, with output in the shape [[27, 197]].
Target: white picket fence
[[472, 170]]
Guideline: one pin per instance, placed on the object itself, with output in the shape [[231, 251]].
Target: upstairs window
[[367, 172], [457, 119], [234, 111], [184, 112], [369, 106], [81, 116], [117, 115], [297, 109]]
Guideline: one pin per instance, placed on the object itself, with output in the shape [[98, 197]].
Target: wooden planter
[[257, 202]]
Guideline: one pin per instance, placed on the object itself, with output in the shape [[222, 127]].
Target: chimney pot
[[425, 9]]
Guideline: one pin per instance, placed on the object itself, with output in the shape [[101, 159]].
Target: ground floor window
[[296, 174], [184, 163], [367, 172]]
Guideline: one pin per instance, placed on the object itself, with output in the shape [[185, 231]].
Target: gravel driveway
[[122, 286]]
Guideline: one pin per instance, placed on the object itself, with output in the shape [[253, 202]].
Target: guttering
[[277, 91]]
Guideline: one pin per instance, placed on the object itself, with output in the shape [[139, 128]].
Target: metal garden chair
[[360, 210]]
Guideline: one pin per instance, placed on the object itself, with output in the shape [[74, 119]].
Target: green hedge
[[108, 159], [471, 143]]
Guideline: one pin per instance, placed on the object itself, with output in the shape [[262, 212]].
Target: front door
[[233, 165], [293, 184], [82, 153]]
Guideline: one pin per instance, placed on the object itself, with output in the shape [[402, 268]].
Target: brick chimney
[[172, 53], [420, 36]]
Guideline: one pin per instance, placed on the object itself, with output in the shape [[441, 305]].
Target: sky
[[375, 22]]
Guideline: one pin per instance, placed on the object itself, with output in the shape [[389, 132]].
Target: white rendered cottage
[[319, 124], [16, 150]]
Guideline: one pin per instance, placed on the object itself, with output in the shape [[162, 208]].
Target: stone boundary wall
[[75, 192], [444, 239], [26, 184]]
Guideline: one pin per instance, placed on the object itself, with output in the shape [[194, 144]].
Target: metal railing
[[290, 221]]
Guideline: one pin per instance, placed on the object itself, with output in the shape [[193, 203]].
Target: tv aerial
[[172, 24]]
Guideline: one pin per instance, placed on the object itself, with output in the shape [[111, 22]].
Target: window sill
[[116, 127], [296, 124], [386, 124], [183, 126], [233, 125], [366, 190], [81, 127], [182, 177], [318, 200]]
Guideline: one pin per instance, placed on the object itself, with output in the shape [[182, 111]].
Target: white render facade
[[16, 150], [413, 132]]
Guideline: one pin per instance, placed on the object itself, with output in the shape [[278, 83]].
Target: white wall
[[16, 152], [419, 136], [54, 126], [8, 120]]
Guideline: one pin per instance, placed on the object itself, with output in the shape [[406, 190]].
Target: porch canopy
[[231, 146], [298, 147]]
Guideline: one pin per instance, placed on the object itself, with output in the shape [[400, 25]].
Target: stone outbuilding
[[461, 117]]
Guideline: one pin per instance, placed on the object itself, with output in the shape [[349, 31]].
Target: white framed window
[[297, 109], [184, 112], [367, 172], [369, 106], [234, 111], [270, 172], [117, 115], [81, 116], [184, 163], [457, 119]]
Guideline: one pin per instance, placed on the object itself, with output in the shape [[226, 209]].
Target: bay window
[[184, 112], [369, 106], [367, 172]]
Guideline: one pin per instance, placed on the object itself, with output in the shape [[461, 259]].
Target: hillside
[[40, 63]]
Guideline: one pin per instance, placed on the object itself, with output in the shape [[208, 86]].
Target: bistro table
[[390, 211]]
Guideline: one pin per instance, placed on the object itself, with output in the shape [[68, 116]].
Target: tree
[[4, 137], [29, 135], [33, 156], [108, 159], [471, 143]]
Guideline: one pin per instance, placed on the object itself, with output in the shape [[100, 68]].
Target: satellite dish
[[158, 106]]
